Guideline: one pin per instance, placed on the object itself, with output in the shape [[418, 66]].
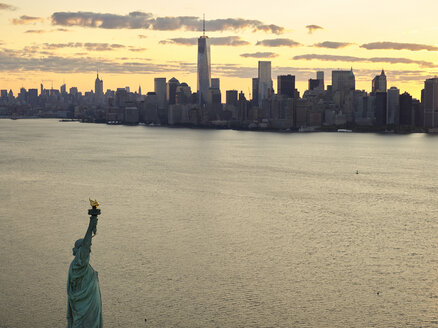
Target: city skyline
[[131, 45]]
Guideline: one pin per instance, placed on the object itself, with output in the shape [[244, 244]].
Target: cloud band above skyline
[[389, 60], [142, 20]]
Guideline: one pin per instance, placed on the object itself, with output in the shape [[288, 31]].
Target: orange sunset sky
[[131, 41]]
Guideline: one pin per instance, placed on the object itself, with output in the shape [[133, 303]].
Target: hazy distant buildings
[[204, 67], [379, 83], [431, 103], [73, 91], [264, 81]]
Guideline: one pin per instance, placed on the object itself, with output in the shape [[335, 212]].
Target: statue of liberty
[[84, 308]]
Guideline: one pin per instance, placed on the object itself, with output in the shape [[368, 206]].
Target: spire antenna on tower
[[203, 25]]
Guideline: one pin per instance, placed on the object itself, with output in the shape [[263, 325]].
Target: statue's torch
[[94, 212]]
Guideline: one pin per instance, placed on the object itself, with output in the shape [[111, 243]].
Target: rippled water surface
[[203, 228]]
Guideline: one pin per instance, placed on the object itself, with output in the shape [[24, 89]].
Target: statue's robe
[[84, 308]]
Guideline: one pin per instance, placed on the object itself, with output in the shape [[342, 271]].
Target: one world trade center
[[204, 67]]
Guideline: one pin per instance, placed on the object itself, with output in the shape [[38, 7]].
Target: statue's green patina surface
[[84, 308]]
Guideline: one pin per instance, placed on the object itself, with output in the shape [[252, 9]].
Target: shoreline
[[335, 129]]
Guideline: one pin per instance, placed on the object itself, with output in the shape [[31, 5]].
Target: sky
[[131, 42]]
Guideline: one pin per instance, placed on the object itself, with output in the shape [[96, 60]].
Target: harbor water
[[220, 228]]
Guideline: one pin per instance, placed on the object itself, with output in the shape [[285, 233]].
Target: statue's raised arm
[[92, 226], [84, 303]]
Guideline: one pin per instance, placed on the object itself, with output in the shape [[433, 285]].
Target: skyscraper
[[160, 91], [255, 91], [214, 92], [98, 89], [380, 103], [343, 81], [215, 83], [431, 103], [379, 83], [204, 66], [393, 107], [320, 78], [406, 112], [171, 91], [231, 97], [343, 86], [286, 85], [265, 81]]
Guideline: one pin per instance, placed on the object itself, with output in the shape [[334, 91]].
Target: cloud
[[312, 28], [47, 31], [88, 46], [181, 41], [141, 20], [36, 31], [332, 45], [102, 46], [5, 6], [278, 43], [365, 60], [260, 55], [11, 61], [27, 20], [134, 49], [398, 46], [219, 41]]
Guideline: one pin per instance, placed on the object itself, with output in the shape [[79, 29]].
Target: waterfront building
[[406, 112], [380, 103], [431, 103], [160, 91], [393, 107]]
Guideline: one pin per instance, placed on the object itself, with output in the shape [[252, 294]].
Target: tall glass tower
[[265, 81], [204, 67]]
